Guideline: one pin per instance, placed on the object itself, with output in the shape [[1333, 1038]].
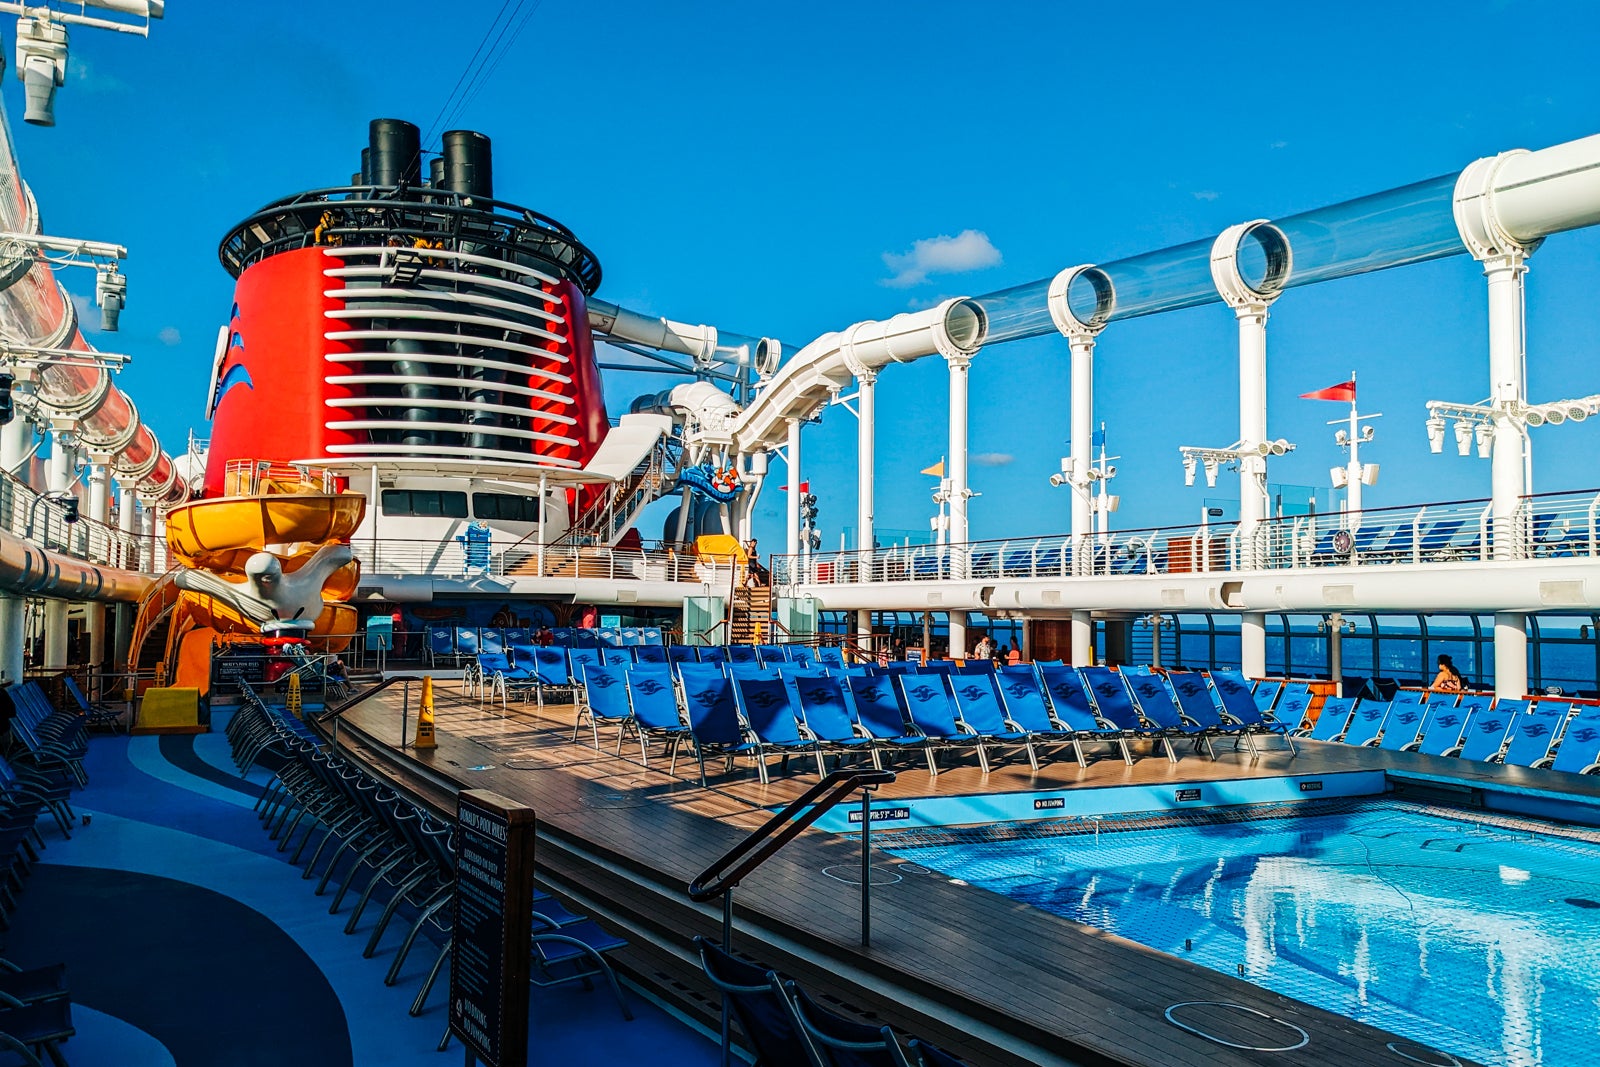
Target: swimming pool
[[1478, 935]]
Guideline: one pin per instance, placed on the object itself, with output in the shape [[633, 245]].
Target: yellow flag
[[937, 470], [425, 738]]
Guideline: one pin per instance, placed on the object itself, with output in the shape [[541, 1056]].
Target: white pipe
[[1507, 386], [665, 335], [1535, 194], [955, 328]]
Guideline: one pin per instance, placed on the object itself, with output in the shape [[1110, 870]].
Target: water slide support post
[[792, 456], [59, 479], [99, 511], [959, 365], [866, 478], [16, 438]]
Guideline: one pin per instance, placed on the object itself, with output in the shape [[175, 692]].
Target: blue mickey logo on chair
[[705, 698], [971, 692], [1017, 689], [815, 696], [1584, 734], [649, 687], [762, 700], [602, 681], [923, 692], [1189, 687], [1535, 729]]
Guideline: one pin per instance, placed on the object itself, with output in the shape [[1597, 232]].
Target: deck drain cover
[[1237, 1026], [1408, 1050], [850, 874]]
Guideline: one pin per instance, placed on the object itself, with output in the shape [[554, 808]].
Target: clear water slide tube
[[1528, 195], [36, 312]]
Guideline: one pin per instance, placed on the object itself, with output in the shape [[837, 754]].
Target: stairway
[[752, 616]]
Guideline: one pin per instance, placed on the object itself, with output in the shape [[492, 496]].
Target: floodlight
[[1341, 438], [1110, 472], [1435, 434], [1554, 415], [41, 66], [1368, 433], [1369, 474], [1211, 472], [1340, 476], [1264, 448], [1485, 435], [1577, 412], [111, 293], [1189, 465], [1280, 447], [1534, 417], [1463, 436], [1058, 480]]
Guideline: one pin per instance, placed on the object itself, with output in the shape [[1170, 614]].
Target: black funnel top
[[436, 171], [396, 152], [467, 165], [366, 166]]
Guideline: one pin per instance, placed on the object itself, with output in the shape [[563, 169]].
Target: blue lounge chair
[[979, 707], [549, 670], [1333, 719], [1487, 732], [1442, 735], [1022, 696], [841, 1042], [769, 709], [828, 654], [713, 654], [1265, 691], [882, 714], [441, 643], [714, 726], [771, 655], [757, 1000], [1580, 744], [1071, 706], [927, 701], [1368, 721], [492, 640], [1404, 725], [650, 654], [652, 636], [655, 717], [752, 671], [1533, 734], [827, 715], [604, 698], [1114, 701], [1294, 702], [1198, 705], [466, 640], [743, 654], [1231, 692], [683, 654]]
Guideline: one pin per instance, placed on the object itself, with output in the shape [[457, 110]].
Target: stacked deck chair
[[1487, 732], [1072, 708], [52, 741], [1580, 743], [882, 714], [1534, 734], [927, 700]]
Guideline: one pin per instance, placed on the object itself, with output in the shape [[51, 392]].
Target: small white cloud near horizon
[[170, 337], [992, 459], [1206, 194], [967, 251]]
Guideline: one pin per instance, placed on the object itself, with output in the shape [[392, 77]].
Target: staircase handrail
[[760, 844], [338, 710]]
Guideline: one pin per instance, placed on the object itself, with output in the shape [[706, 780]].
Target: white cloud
[[170, 337], [1206, 194], [1280, 144], [967, 250], [918, 303], [992, 459]]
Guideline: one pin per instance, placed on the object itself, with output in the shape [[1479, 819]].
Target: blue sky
[[753, 166]]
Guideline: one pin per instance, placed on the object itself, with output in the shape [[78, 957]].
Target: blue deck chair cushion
[[1368, 721], [880, 710], [1334, 717], [650, 654], [1404, 725], [979, 706], [683, 654], [770, 711], [606, 692], [823, 706], [1446, 726], [1580, 745], [1533, 734], [550, 666], [743, 654], [928, 702], [1487, 731], [1111, 700], [713, 712]]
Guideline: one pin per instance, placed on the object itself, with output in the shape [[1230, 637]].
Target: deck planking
[[1092, 997]]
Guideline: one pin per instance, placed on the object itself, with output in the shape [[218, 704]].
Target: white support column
[[99, 511], [866, 463], [1507, 391], [58, 477], [128, 522], [1082, 430], [147, 538], [959, 493], [16, 437], [59, 473], [1510, 654], [1082, 638], [863, 625], [792, 454], [958, 634]]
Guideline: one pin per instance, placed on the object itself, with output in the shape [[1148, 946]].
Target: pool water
[[1480, 937]]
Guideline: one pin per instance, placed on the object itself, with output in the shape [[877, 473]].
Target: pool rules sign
[[493, 922]]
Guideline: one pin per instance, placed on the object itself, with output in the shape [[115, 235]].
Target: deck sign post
[[493, 923]]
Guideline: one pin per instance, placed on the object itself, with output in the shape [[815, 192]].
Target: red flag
[[805, 486], [1344, 393]]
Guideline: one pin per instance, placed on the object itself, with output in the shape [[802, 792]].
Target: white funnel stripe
[[431, 315], [438, 296], [434, 357], [455, 405], [448, 383], [400, 451]]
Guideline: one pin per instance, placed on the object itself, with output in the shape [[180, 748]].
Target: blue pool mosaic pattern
[[1478, 938]]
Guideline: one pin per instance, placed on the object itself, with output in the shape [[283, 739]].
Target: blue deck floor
[[190, 941]]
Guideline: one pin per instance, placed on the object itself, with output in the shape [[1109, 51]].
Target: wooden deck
[[946, 961]]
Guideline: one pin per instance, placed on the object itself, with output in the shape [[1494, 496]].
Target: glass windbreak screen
[[428, 503], [1166, 280]]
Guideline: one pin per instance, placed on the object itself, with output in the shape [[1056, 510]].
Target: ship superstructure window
[[431, 503], [505, 507]]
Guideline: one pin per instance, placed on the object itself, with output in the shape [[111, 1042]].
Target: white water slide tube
[[36, 312], [1518, 196]]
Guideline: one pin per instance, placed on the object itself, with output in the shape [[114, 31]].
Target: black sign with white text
[[493, 921]]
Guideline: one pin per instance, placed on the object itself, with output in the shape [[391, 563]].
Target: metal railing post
[[727, 946], [866, 868], [405, 716]]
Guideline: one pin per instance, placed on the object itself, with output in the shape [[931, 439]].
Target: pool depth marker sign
[[493, 923]]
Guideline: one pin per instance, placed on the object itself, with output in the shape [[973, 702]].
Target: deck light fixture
[[1435, 426], [1463, 437], [1484, 433], [111, 293]]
